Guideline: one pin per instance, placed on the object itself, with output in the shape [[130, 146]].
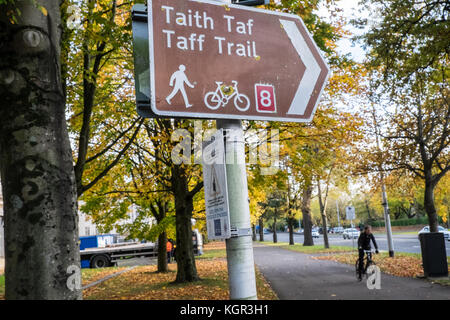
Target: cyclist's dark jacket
[[364, 241]]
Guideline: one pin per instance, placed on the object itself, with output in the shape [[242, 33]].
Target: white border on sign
[[217, 115]]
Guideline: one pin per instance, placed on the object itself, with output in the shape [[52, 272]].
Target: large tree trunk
[[323, 207], [430, 208], [160, 212], [291, 231], [307, 221], [275, 238], [162, 253], [187, 271], [41, 222], [261, 230], [253, 232], [366, 202], [325, 233]]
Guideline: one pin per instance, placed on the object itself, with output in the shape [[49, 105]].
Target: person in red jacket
[[169, 249]]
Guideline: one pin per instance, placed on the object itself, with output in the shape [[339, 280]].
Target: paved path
[[296, 276]]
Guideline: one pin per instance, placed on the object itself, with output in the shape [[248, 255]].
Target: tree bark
[[162, 253], [291, 231], [253, 232], [307, 221], [187, 270], [275, 238], [261, 230], [366, 202], [429, 205], [322, 207], [325, 233], [159, 211], [41, 222]]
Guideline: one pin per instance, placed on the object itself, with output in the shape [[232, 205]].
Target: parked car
[[337, 230], [440, 229], [315, 233], [350, 233]]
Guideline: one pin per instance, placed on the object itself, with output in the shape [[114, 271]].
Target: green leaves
[[411, 37]]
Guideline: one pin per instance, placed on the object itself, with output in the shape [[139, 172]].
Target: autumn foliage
[[144, 283], [402, 265]]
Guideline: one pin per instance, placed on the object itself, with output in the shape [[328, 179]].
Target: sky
[[350, 11]]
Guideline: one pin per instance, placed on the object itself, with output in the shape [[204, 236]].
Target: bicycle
[[367, 262], [219, 98]]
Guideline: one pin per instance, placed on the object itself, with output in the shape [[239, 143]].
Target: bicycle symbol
[[215, 99]]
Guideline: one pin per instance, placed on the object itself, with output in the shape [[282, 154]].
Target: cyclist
[[364, 244]]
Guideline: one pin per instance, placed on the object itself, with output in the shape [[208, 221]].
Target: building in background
[[86, 227]]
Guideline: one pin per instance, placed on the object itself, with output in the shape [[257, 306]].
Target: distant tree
[[409, 58]]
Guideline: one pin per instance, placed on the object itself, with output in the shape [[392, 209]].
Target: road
[[296, 276], [402, 242]]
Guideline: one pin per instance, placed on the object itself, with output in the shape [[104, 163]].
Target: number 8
[[265, 98]]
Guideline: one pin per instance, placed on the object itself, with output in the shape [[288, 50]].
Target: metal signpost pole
[[241, 268], [176, 77], [387, 220], [350, 215], [353, 239]]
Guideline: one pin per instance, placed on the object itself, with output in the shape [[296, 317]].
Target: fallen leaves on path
[[401, 265]]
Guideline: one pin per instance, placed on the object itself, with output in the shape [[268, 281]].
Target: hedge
[[404, 222]]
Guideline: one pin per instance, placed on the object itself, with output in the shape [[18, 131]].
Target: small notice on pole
[[350, 213], [215, 185]]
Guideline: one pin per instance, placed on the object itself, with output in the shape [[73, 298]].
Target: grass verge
[[316, 249], [2, 286], [213, 254]]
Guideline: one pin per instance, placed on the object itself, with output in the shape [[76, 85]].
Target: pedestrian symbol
[[180, 79]]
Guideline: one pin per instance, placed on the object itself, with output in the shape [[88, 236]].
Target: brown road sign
[[214, 60]]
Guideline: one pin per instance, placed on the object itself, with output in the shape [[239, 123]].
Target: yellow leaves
[[43, 10], [214, 245], [144, 283], [92, 275], [402, 265]]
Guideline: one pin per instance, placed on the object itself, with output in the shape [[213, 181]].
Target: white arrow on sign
[[312, 72]]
